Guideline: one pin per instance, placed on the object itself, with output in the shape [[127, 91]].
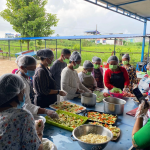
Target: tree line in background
[[29, 18]]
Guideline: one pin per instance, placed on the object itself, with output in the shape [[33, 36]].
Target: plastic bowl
[[118, 95]]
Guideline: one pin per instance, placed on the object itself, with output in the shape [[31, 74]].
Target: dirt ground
[[6, 66]]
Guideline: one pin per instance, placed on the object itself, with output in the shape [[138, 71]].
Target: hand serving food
[[81, 91], [106, 94], [141, 112], [51, 113], [126, 90], [39, 125], [62, 93]]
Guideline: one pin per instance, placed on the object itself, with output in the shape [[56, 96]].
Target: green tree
[[29, 18]]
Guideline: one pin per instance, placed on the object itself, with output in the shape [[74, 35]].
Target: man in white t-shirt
[[70, 82]]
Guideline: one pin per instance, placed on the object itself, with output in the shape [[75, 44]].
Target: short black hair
[[66, 51], [7, 104]]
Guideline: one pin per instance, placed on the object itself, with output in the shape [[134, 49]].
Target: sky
[[77, 16]]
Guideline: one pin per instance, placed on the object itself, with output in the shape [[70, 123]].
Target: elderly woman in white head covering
[[86, 77], [17, 126], [131, 71], [70, 82]]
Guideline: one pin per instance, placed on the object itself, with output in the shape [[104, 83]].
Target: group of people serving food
[[29, 92]]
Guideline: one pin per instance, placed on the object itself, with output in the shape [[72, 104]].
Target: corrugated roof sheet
[[76, 37]]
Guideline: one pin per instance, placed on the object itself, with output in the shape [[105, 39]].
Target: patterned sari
[[132, 77]]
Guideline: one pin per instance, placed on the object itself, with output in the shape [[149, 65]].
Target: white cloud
[[77, 16], [126, 32]]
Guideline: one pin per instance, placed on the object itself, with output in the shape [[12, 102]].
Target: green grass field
[[93, 49]]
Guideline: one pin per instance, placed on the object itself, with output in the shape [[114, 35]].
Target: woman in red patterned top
[[116, 76], [131, 71]]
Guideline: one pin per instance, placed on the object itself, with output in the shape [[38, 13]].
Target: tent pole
[[35, 46], [56, 48], [114, 46], [80, 46], [45, 43], [21, 45], [148, 51], [143, 43]]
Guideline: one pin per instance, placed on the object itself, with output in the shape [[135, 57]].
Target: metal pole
[[114, 46], [80, 46], [56, 48], [148, 51], [9, 49], [45, 43], [21, 45], [143, 44], [96, 29], [35, 46]]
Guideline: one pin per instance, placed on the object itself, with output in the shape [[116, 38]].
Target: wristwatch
[[58, 92]]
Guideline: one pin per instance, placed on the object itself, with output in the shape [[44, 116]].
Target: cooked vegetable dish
[[68, 121], [103, 118], [69, 107], [113, 129], [93, 138]]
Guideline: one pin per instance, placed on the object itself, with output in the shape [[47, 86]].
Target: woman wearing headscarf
[[70, 82], [86, 77], [17, 127], [27, 66], [116, 76], [131, 71], [44, 82], [98, 71]]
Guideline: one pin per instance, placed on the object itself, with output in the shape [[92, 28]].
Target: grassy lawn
[[87, 51]]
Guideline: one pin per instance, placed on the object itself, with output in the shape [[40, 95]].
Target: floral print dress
[[132, 77], [17, 130]]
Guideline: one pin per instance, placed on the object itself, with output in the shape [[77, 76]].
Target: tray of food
[[68, 106], [115, 130], [67, 120], [99, 95], [100, 117]]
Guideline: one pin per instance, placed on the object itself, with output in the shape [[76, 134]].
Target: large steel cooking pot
[[88, 128], [88, 99], [114, 105]]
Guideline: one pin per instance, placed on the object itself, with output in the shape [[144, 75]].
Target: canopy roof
[[136, 9], [76, 37]]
